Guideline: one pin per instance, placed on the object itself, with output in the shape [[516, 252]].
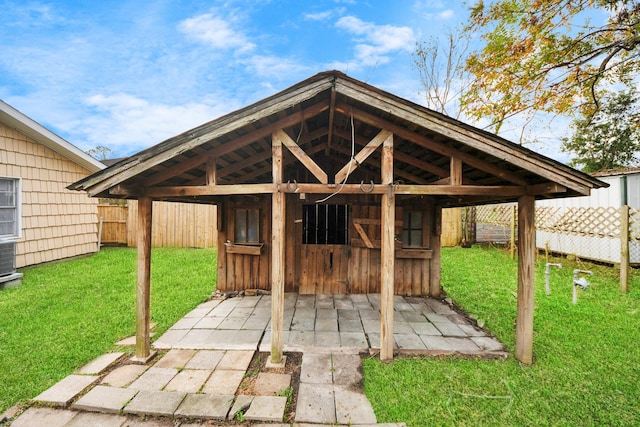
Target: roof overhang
[[333, 127]]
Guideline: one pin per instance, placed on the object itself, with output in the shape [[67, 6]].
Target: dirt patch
[[292, 367]]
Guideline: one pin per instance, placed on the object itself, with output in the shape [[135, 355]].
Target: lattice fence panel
[[634, 234], [591, 222], [494, 215]]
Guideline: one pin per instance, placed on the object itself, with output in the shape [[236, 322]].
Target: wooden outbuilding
[[335, 186]]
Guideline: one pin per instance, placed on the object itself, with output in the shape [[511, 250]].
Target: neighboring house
[[40, 220]]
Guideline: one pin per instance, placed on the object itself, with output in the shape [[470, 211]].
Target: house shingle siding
[[56, 223]]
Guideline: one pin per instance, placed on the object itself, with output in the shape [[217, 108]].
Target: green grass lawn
[[66, 314], [587, 356]]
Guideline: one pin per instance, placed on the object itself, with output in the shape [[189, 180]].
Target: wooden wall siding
[[56, 223], [187, 225], [326, 269], [236, 271]]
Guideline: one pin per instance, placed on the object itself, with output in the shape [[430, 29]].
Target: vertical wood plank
[[387, 253], [212, 171], [143, 286], [526, 276], [624, 248], [436, 247], [277, 254], [455, 171]]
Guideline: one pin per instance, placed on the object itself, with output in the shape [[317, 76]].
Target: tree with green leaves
[[556, 56], [610, 138]]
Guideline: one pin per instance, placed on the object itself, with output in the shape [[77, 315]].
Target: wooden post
[[277, 255], [513, 232], [387, 254], [435, 267], [143, 341], [455, 171], [624, 248], [526, 278]]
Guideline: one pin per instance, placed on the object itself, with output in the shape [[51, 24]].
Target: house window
[[9, 207], [412, 229], [325, 224], [247, 226]]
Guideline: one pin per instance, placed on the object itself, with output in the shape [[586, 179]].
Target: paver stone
[[266, 408], [158, 403], [86, 419], [346, 369], [66, 390], [236, 360], [50, 417], [123, 375], [208, 406], [316, 368], [316, 404], [175, 358], [352, 407], [188, 380], [223, 382], [205, 359], [154, 379], [99, 364], [105, 399], [269, 384]]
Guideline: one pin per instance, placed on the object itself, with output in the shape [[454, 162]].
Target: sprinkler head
[[582, 282]]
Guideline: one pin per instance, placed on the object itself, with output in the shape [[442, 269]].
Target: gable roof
[[330, 117], [19, 121]]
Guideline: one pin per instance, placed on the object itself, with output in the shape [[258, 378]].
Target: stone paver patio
[[209, 351]]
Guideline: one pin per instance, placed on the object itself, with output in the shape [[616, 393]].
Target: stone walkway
[[209, 352]]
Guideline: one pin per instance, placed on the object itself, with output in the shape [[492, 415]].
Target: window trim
[[18, 189]]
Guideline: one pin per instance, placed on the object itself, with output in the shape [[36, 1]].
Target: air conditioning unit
[[7, 257]]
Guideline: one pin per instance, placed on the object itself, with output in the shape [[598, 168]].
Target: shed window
[[247, 226], [412, 229], [325, 224], [9, 207]]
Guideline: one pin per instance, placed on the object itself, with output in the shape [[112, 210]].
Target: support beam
[[212, 171], [299, 154], [277, 255], [362, 155], [143, 286], [455, 171], [387, 253], [526, 279]]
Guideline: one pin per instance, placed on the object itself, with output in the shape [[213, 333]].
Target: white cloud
[[126, 123], [274, 66], [446, 14], [319, 16], [375, 43], [216, 32]]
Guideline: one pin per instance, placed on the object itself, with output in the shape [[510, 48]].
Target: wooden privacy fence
[[174, 224]]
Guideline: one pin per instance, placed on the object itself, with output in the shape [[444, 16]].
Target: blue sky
[[129, 74]]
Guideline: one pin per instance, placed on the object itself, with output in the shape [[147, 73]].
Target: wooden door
[[324, 269]]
